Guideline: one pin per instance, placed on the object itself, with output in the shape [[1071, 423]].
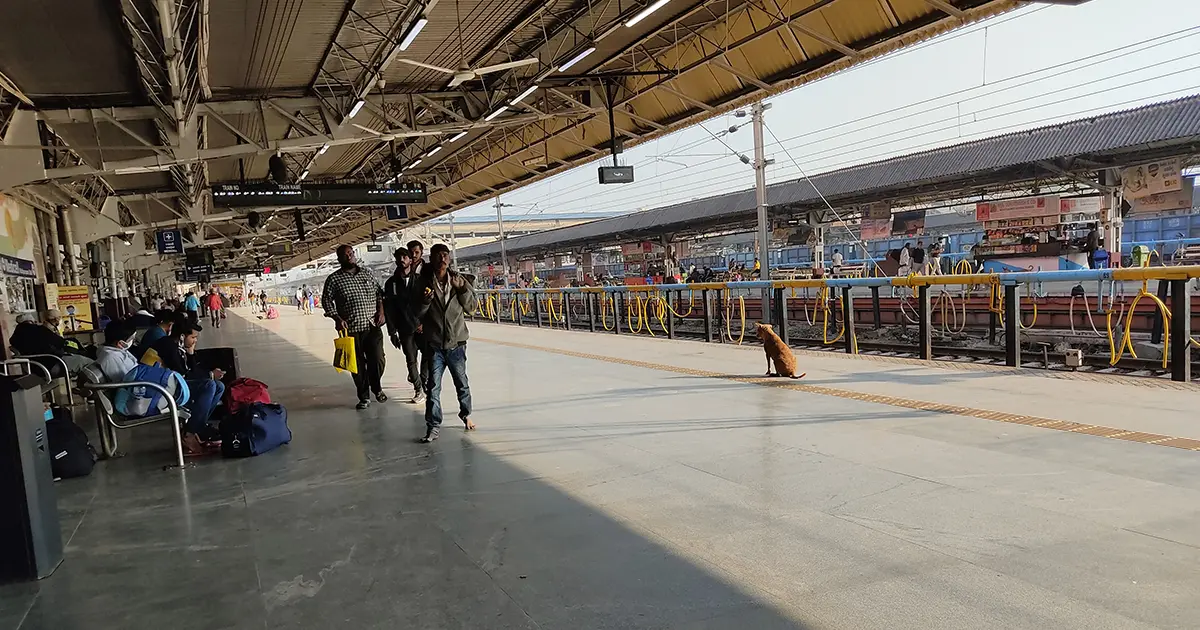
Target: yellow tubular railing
[[729, 319]]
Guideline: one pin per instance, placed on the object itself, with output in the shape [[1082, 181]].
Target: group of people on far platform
[[423, 306]]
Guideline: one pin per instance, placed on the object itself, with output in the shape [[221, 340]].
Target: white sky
[[1028, 68]]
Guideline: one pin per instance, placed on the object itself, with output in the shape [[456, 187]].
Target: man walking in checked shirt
[[354, 300]]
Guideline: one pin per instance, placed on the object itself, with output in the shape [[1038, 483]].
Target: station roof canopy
[[1071, 152], [155, 100]]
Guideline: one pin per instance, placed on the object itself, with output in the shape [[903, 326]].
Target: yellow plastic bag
[[345, 359]]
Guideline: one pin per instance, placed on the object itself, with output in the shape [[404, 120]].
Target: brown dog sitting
[[777, 352]]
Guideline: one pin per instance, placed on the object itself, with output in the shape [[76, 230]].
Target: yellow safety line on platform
[[894, 401]]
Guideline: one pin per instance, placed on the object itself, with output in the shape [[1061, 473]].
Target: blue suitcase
[[257, 429]]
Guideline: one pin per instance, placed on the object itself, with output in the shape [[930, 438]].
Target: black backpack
[[71, 455]]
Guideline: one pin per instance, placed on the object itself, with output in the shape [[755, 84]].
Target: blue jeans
[[439, 359], [206, 395]]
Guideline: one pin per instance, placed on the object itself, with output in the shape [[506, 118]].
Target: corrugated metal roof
[[67, 52], [1168, 122]]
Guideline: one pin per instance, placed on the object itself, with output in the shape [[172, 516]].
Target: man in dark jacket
[[33, 338], [446, 296], [177, 352], [400, 303]]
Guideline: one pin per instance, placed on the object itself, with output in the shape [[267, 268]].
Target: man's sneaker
[[381, 397], [418, 398], [363, 404], [432, 434]]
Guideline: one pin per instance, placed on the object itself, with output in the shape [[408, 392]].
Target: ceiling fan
[[466, 73], [462, 75]]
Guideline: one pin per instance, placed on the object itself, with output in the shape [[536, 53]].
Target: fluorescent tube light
[[459, 136], [412, 33], [577, 58], [324, 148], [645, 13], [357, 106], [523, 95], [496, 113]]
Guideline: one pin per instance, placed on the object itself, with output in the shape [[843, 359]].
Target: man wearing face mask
[[446, 296], [353, 299], [114, 358]]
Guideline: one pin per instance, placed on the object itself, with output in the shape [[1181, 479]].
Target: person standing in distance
[[354, 301], [446, 297], [400, 302]]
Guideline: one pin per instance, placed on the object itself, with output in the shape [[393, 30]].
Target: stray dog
[[777, 353]]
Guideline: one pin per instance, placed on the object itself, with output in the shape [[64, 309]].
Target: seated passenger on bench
[[114, 358], [30, 337], [165, 320], [177, 352]]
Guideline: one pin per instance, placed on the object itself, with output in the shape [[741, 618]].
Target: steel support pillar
[[708, 322], [1156, 322], [1012, 326], [617, 299], [591, 311], [875, 307], [924, 323], [567, 310], [671, 314], [1181, 331], [848, 334], [782, 310]]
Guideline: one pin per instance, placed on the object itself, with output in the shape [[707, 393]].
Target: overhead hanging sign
[[909, 223], [1021, 208], [396, 213], [875, 229], [1151, 179], [169, 241], [879, 210], [266, 195], [1165, 202]]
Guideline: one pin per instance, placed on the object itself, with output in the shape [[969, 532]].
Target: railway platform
[[629, 482]]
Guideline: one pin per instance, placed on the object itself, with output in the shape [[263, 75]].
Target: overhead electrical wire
[[1125, 49], [856, 147]]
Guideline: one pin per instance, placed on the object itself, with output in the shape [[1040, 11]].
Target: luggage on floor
[[256, 429], [244, 391], [71, 455]]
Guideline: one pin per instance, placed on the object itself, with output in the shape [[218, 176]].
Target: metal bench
[[108, 419], [66, 373]]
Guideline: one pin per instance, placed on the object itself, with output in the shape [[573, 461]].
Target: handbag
[[345, 359]]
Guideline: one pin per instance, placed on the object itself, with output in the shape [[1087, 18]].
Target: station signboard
[[169, 241], [1020, 208]]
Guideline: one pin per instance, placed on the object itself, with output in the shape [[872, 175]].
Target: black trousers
[[412, 346], [368, 345]]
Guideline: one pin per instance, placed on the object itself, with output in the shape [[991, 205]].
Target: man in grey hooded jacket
[[446, 296]]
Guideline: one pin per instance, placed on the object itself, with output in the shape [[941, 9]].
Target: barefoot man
[[446, 296]]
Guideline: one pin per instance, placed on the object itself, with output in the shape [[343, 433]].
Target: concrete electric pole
[[503, 247], [760, 190]]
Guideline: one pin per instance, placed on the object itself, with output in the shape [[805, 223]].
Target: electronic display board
[[267, 195]]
